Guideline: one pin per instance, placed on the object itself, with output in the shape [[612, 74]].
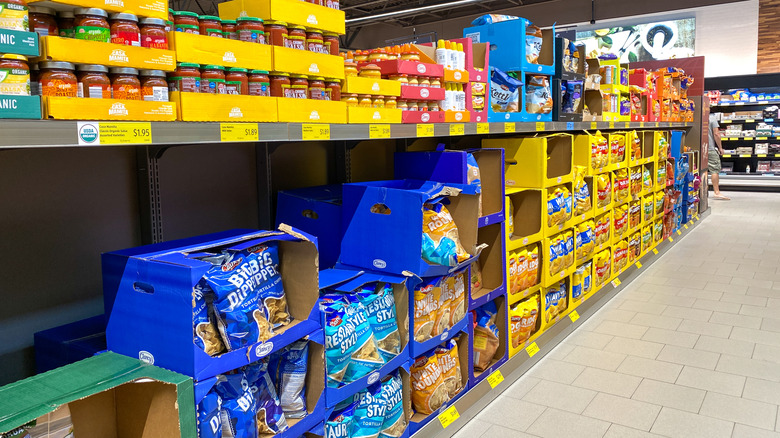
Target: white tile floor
[[691, 348]]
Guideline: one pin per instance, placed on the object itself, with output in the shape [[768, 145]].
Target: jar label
[[213, 86], [14, 81], [155, 42], [59, 87], [188, 28], [252, 36], [233, 87], [315, 46], [93, 33], [94, 91], [299, 91], [213, 33], [68, 33], [126, 38], [259, 89], [296, 42], [184, 84], [13, 16], [155, 94], [317, 93], [126, 92]]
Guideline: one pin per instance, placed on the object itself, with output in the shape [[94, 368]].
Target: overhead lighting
[[410, 11]]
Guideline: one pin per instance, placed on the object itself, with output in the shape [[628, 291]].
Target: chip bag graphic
[[522, 320], [621, 185], [617, 148], [603, 190], [581, 191], [441, 244]]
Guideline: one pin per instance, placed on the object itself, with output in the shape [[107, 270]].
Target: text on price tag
[[574, 316], [310, 131], [457, 129], [495, 378], [509, 127], [424, 130], [540, 126], [616, 282], [448, 416], [483, 128], [235, 132], [91, 133], [532, 349], [379, 131], [655, 251], [638, 265]]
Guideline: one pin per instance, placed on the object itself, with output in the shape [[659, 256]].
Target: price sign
[[425, 130], [726, 155], [657, 124], [315, 131], [638, 265], [761, 155], [570, 126], [762, 138], [379, 131], [616, 282], [532, 349], [90, 133], [509, 127], [235, 132], [540, 126], [686, 226], [679, 233], [483, 128], [448, 416], [655, 251], [594, 125], [495, 378], [611, 125], [670, 239], [457, 129], [628, 124], [641, 124], [574, 316]]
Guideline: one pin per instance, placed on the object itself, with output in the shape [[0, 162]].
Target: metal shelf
[[59, 133], [766, 156], [742, 103], [740, 179], [738, 121]]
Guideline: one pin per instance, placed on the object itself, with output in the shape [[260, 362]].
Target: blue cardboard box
[[450, 167], [317, 211], [63, 345], [148, 293], [383, 224], [508, 52]]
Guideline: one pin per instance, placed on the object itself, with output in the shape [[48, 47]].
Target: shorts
[[713, 161]]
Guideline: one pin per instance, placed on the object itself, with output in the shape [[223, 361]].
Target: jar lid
[[228, 21], [157, 73], [313, 31], [279, 73], [14, 57], [209, 17], [124, 71], [91, 11], [124, 16], [41, 10], [57, 64], [188, 65], [381, 97], [238, 70], [66, 14], [258, 72], [93, 68], [300, 76], [185, 14], [297, 27], [212, 67], [153, 21], [253, 19], [371, 67], [330, 34], [277, 23], [317, 78]]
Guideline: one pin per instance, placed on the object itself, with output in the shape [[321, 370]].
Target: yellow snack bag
[[568, 249], [621, 220], [601, 267], [635, 180], [522, 320], [568, 204], [510, 218], [648, 208], [659, 203], [556, 254], [634, 214], [599, 151], [634, 246], [443, 312], [449, 362], [532, 273], [603, 190], [555, 208], [441, 244], [428, 389], [602, 229], [620, 256], [426, 302], [647, 238], [517, 271], [457, 287], [586, 236], [617, 146], [581, 192], [621, 185], [636, 145]]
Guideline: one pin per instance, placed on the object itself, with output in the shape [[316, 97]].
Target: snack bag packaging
[[659, 203], [538, 95], [581, 191], [458, 291], [447, 356], [595, 155], [620, 256], [512, 263], [587, 281], [617, 148], [658, 231], [555, 207], [621, 184], [555, 262], [476, 276], [647, 179], [585, 239], [636, 181], [636, 146], [602, 265], [568, 203], [519, 273], [443, 316], [426, 302], [555, 301], [441, 244], [473, 178], [369, 413], [495, 18], [428, 390], [568, 250], [504, 92], [635, 214], [634, 246], [532, 273], [533, 44], [394, 423], [239, 406], [340, 341], [603, 225], [602, 147], [209, 420], [207, 336], [270, 414], [270, 290], [485, 342], [340, 423], [510, 218], [647, 238], [522, 319], [603, 190], [647, 207], [621, 220], [291, 382], [661, 177], [380, 308], [577, 283], [366, 357]]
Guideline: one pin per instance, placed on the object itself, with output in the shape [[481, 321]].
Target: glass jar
[[169, 23], [154, 88], [92, 25], [212, 80], [299, 86], [371, 71], [210, 25], [351, 99], [125, 84], [333, 4], [251, 29], [94, 82], [410, 56], [153, 34], [402, 105], [391, 103], [186, 21], [361, 56], [14, 75], [58, 79], [333, 88], [186, 78], [402, 78], [435, 83], [364, 101], [314, 42], [433, 105], [14, 15], [317, 90], [276, 32], [350, 69], [43, 21], [280, 84], [65, 23], [229, 29], [237, 81], [259, 83], [424, 82], [296, 37], [378, 55], [412, 106], [331, 43], [378, 102], [412, 80], [125, 30]]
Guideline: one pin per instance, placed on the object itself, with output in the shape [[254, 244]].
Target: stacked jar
[[283, 34], [296, 86], [215, 79], [248, 29]]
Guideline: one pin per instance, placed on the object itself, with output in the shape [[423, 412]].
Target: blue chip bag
[[339, 425], [270, 418], [440, 239], [205, 332], [209, 421], [395, 422], [366, 357], [473, 177], [369, 413], [291, 383], [340, 342], [238, 406], [380, 308], [271, 291], [494, 18]]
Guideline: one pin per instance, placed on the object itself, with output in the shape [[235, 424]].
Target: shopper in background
[[714, 152]]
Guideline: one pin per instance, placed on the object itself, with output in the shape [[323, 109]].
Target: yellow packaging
[[634, 246], [568, 250], [13, 81], [602, 229], [647, 238], [141, 8], [617, 148], [310, 111], [76, 108], [568, 203], [648, 208], [437, 225], [13, 17], [522, 320], [54, 48], [603, 190], [205, 107], [518, 265], [658, 231], [601, 267], [659, 203], [457, 287], [555, 301], [428, 389], [621, 185], [634, 214], [636, 145], [449, 362], [202, 49], [373, 115], [556, 255], [510, 218], [620, 222], [426, 303], [443, 314], [581, 191], [532, 273], [371, 86], [599, 151], [289, 11], [620, 258], [586, 238], [303, 62], [581, 281]]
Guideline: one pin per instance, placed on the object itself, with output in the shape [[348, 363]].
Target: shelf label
[[311, 131], [235, 132], [379, 131], [777, 155], [425, 130], [670, 239], [763, 102], [594, 125], [457, 129], [93, 133], [641, 124], [483, 128], [769, 120], [761, 155], [638, 265], [570, 126], [532, 349], [747, 138], [448, 416], [739, 103], [726, 121], [495, 378], [726, 155], [616, 282], [686, 226], [628, 124], [611, 125], [540, 126], [509, 127], [655, 251], [744, 155], [574, 316], [762, 138], [657, 124], [750, 121], [679, 233]]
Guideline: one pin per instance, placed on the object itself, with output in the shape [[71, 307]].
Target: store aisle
[[689, 349]]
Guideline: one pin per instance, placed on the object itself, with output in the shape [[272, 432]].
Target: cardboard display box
[[492, 262], [204, 50], [513, 295], [304, 62], [373, 115], [536, 162], [204, 107], [371, 86], [500, 355], [514, 325], [79, 108], [548, 277], [308, 110], [20, 107], [289, 11], [141, 8], [547, 323], [508, 46], [63, 345], [528, 209], [19, 42], [54, 48]]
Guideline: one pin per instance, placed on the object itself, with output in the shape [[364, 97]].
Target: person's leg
[[715, 184], [713, 167]]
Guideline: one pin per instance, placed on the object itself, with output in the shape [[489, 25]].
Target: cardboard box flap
[[330, 194], [348, 278], [332, 278], [428, 191]]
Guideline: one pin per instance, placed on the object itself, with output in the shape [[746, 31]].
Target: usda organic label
[[113, 133]]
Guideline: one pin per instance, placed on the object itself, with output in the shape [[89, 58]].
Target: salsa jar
[[391, 102], [58, 79], [402, 105], [66, 24], [333, 87], [372, 71], [154, 87], [14, 15], [259, 83], [276, 33], [237, 81], [333, 4], [330, 42], [364, 101], [229, 29], [186, 78], [210, 25], [317, 90], [169, 22], [92, 25], [153, 34], [296, 37], [43, 21], [251, 30], [125, 30], [350, 99], [186, 21], [280, 84], [314, 41], [14, 75], [125, 84], [212, 80], [94, 82], [299, 87]]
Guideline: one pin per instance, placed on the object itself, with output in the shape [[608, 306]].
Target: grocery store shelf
[[767, 156], [749, 180], [471, 403], [58, 133], [742, 103], [726, 122], [763, 138]]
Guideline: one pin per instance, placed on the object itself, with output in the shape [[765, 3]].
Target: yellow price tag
[[761, 155], [638, 265], [657, 124], [616, 282], [611, 125], [641, 124], [483, 128], [670, 239], [749, 121], [448, 416], [594, 125], [574, 316], [746, 138], [509, 127], [762, 138], [744, 155], [540, 126], [686, 226], [425, 130], [628, 124], [457, 129], [379, 131], [655, 251], [311, 131], [726, 155], [495, 378], [234, 132], [777, 155], [123, 133], [532, 349]]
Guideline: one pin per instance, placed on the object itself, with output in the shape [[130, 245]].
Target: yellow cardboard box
[[141, 8], [308, 110], [205, 107], [375, 87], [307, 63], [79, 108], [457, 116], [201, 49], [54, 48], [373, 115], [290, 11]]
